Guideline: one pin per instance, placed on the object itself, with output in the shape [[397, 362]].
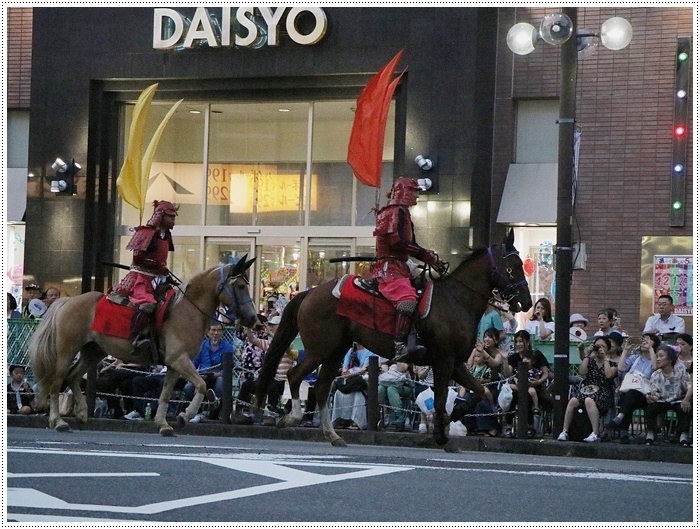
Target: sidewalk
[[636, 451]]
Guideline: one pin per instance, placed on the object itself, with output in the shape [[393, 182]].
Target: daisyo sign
[[246, 27]]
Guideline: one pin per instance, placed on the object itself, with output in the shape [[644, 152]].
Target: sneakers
[[649, 441], [133, 416], [563, 436], [593, 438], [197, 418], [422, 428]]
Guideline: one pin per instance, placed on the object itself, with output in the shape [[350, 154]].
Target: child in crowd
[[533, 375], [19, 394]]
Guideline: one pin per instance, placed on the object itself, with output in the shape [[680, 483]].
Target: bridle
[[224, 286], [509, 291]]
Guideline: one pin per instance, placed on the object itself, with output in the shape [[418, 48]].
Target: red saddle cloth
[[370, 311], [113, 319]]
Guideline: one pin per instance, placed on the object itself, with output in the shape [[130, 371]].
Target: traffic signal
[[62, 183], [680, 133]]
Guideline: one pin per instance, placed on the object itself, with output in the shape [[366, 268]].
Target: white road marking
[[288, 478], [14, 517]]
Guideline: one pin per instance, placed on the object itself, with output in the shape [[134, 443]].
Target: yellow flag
[[132, 182]]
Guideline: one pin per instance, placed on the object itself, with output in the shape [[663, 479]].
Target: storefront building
[[255, 155]]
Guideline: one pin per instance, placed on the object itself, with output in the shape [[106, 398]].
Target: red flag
[[366, 144]]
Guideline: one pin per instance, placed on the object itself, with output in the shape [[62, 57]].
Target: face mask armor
[[403, 192], [161, 208]]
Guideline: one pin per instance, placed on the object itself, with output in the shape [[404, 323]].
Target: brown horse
[[66, 329], [448, 332]]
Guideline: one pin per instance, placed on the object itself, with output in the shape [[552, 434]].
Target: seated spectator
[[493, 353], [116, 376], [596, 392], [350, 409], [670, 390], [606, 322], [209, 365], [685, 357], [12, 311], [424, 381], [19, 395], [395, 384], [146, 388], [577, 327], [642, 361], [666, 324], [533, 374], [482, 417], [540, 324], [510, 366]]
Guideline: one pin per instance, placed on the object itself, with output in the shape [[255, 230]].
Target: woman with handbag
[[637, 368], [596, 392], [670, 389]]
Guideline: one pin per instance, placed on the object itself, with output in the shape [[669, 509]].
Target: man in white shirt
[[665, 323]]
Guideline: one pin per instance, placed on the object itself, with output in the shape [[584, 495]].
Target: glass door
[[279, 264]]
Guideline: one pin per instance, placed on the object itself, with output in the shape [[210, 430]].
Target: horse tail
[[286, 332], [42, 349]]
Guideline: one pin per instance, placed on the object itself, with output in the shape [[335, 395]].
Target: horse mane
[[474, 253], [197, 280]]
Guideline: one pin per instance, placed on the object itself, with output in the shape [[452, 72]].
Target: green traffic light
[[682, 56], [677, 205]]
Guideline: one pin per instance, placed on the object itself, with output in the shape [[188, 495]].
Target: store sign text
[[246, 27]]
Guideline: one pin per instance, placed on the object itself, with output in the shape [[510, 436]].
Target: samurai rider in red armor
[[150, 244], [396, 242]]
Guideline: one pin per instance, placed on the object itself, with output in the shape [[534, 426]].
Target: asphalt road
[[112, 477]]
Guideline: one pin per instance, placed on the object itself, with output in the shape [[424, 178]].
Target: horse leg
[[442, 374], [171, 377], [185, 368], [323, 386], [294, 376], [86, 362]]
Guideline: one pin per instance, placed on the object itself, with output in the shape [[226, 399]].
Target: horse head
[[508, 275], [234, 293]]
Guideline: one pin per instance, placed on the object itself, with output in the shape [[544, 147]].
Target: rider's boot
[[404, 321], [140, 323]]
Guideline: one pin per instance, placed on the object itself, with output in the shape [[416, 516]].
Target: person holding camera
[[596, 392]]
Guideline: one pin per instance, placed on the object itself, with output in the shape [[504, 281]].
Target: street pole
[[563, 250]]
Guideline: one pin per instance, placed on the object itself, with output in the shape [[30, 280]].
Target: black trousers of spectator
[[113, 380], [510, 417], [274, 393], [629, 401], [660, 408], [150, 386]]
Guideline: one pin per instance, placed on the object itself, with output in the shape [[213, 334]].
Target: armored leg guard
[[404, 321], [140, 329]]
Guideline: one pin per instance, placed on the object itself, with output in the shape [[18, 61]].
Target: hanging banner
[[673, 275]]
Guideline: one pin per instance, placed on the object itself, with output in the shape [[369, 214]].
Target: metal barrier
[[19, 332]]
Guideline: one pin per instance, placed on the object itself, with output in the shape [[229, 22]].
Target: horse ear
[[239, 266], [510, 239], [249, 263]]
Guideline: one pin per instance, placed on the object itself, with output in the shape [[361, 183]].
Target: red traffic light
[[679, 130]]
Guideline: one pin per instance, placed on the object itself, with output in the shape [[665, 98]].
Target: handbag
[[635, 380], [351, 384]]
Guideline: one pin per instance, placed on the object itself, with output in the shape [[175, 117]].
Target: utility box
[[579, 256]]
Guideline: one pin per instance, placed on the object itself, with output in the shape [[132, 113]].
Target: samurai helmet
[[161, 208], [403, 191]]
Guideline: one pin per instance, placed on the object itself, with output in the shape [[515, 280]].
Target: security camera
[[424, 163]]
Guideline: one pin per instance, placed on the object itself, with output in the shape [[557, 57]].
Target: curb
[[662, 453]]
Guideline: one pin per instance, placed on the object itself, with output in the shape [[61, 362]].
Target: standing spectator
[[251, 360], [19, 394], [510, 367], [597, 389], [12, 311], [33, 292], [540, 324], [685, 357], [350, 409], [642, 362], [606, 322], [670, 390], [665, 323], [209, 365], [51, 295]]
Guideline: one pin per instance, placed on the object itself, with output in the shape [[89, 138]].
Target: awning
[[530, 194]]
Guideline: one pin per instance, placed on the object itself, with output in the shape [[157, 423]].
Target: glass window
[[257, 164], [319, 269], [279, 268]]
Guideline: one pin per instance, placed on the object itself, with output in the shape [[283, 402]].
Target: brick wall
[[19, 56], [624, 104]]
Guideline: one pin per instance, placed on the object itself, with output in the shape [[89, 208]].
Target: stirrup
[[142, 346], [410, 355]]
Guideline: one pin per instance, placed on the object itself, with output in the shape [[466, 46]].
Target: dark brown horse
[[66, 329], [449, 332]]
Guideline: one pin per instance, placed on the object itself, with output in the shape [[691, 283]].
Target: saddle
[[360, 300], [114, 312]]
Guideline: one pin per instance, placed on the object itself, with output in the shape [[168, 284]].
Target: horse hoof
[[339, 442], [167, 431], [181, 420], [451, 448], [63, 427]]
